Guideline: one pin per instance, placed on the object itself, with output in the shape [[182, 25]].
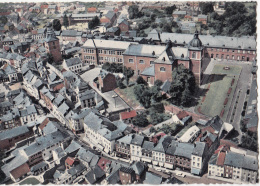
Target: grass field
[[30, 181], [213, 103], [128, 95]]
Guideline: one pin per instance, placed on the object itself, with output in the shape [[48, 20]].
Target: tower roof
[[50, 35], [195, 42]]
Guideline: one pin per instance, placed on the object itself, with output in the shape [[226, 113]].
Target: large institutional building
[[156, 62]]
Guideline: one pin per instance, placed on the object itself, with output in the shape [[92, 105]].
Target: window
[[162, 69], [141, 61], [193, 54], [238, 51], [151, 62], [131, 60]]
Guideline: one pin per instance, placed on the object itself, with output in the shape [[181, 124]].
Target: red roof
[[221, 158], [127, 115], [156, 138], [92, 9], [70, 161], [102, 163], [20, 171], [182, 114]]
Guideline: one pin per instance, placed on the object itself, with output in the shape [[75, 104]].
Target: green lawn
[[128, 95], [28, 181], [213, 104]]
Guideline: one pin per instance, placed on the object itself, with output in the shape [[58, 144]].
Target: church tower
[[52, 44], [196, 56]]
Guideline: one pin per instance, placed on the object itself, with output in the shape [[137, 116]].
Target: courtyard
[[219, 91]]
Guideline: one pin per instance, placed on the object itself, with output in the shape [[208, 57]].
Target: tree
[[143, 95], [56, 25], [152, 130], [169, 9], [134, 12], [50, 58], [94, 22], [207, 7], [120, 84], [167, 28], [158, 83], [140, 80], [3, 20], [65, 21], [128, 73], [140, 120], [182, 87]]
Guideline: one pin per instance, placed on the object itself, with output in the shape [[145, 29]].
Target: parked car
[[181, 174]]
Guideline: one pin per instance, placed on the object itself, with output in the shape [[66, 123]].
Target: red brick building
[[126, 175], [52, 44], [155, 62], [97, 52], [105, 81]]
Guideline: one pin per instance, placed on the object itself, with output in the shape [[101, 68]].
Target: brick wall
[[231, 54], [163, 75]]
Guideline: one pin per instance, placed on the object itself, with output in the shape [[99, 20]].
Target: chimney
[[153, 53]]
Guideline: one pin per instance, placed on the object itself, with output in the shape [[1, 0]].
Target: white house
[[73, 64]]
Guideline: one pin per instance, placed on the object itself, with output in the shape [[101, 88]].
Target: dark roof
[[147, 145], [184, 150], [216, 123], [199, 149], [110, 14], [126, 170], [138, 167], [149, 71], [94, 175], [73, 61], [166, 86], [137, 140]]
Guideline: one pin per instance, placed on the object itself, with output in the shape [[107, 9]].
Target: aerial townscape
[[130, 92]]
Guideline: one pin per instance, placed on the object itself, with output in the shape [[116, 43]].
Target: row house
[[11, 72], [71, 35], [122, 147], [28, 114], [98, 52], [9, 138], [159, 151], [10, 120], [234, 164], [14, 60], [102, 132], [39, 33], [77, 120], [73, 64], [136, 147], [36, 152]]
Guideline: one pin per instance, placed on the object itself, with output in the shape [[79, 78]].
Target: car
[[181, 174]]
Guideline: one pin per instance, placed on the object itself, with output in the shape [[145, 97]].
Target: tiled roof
[[70, 161], [127, 115]]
